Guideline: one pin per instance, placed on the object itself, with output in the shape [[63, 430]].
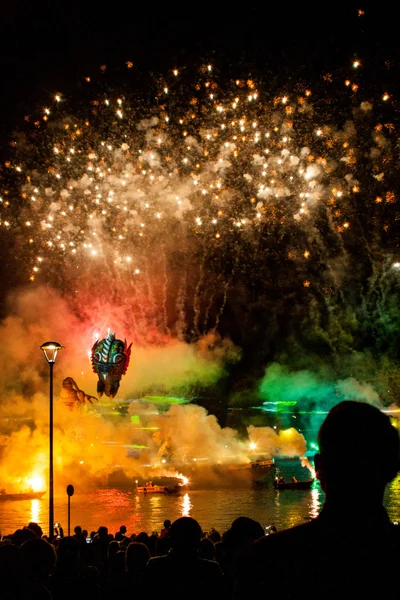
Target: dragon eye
[[97, 356], [118, 358]]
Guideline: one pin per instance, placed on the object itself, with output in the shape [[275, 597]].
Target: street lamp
[[50, 350]]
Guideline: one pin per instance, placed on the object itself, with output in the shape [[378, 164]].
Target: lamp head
[[50, 350]]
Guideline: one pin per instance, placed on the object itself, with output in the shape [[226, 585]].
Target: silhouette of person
[[121, 534], [71, 578], [166, 528], [136, 558], [78, 535], [182, 572], [235, 543], [351, 549], [37, 561]]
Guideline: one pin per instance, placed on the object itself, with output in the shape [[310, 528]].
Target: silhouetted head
[[78, 530], [243, 531], [357, 443], [38, 559], [185, 534], [36, 528], [68, 551], [144, 538], [123, 529], [207, 549], [113, 548], [136, 557], [214, 535], [167, 523], [22, 535], [116, 563]]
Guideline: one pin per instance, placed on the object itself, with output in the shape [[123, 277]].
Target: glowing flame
[[306, 463], [184, 480], [36, 482]]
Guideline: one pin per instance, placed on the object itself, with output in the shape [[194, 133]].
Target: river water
[[115, 506]]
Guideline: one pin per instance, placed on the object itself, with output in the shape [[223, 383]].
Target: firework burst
[[203, 193]]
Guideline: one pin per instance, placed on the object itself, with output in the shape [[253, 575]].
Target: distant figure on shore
[[351, 550], [166, 528], [78, 535], [121, 534]]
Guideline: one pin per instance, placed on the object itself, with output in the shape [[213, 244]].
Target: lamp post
[[50, 350]]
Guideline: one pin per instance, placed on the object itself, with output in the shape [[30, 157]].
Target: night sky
[[47, 45]]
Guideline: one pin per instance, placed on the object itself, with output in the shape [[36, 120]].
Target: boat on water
[[293, 485], [255, 467], [149, 488], [230, 472], [21, 496]]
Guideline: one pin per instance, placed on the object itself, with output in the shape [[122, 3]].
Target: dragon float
[[72, 396], [110, 360]]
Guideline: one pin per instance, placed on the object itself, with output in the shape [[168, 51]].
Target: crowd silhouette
[[350, 550]]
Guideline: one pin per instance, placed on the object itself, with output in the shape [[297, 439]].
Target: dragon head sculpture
[[110, 360]]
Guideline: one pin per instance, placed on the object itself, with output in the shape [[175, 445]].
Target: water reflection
[[35, 511], [186, 505], [212, 508], [292, 507], [315, 504]]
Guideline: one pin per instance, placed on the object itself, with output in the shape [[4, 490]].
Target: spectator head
[[185, 534], [136, 557], [103, 531], [22, 535], [68, 551], [357, 442], [143, 538], [38, 559], [113, 548], [207, 549], [36, 528], [78, 530], [167, 523], [120, 533], [214, 535], [242, 532]]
